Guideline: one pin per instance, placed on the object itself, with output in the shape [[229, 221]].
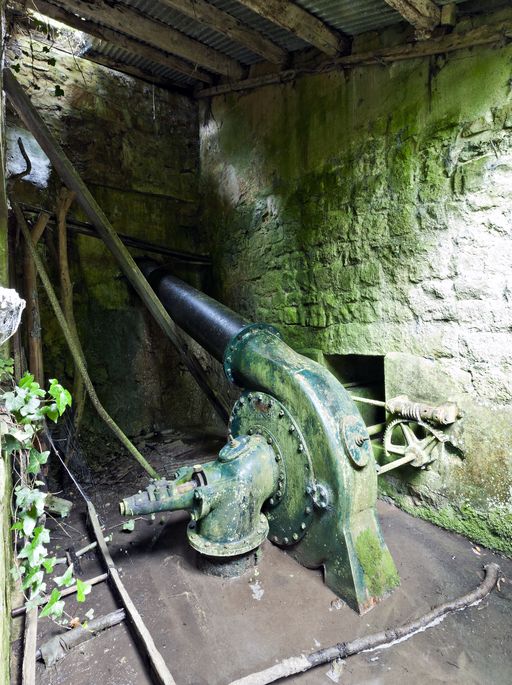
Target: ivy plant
[[24, 407]]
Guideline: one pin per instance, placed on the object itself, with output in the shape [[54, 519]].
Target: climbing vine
[[24, 408]]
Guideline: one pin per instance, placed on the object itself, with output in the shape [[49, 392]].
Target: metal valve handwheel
[[400, 440]]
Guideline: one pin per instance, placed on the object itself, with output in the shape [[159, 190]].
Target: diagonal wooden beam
[[135, 24], [301, 23], [230, 26], [424, 15], [120, 40]]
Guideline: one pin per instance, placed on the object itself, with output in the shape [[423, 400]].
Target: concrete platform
[[212, 631]]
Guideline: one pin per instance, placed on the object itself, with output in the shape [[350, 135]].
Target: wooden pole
[[73, 181], [74, 345], [160, 672], [64, 202], [35, 346]]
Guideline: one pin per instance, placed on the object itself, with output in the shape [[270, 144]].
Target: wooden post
[[73, 181], [35, 347], [160, 672]]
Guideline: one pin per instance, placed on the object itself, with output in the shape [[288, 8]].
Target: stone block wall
[[368, 212], [136, 147]]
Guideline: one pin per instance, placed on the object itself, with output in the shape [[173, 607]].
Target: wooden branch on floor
[[228, 25], [483, 35], [135, 24], [75, 347], [301, 23], [121, 40], [55, 649], [424, 15], [73, 181], [160, 672], [302, 663]]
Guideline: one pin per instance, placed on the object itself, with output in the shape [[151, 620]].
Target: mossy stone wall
[[136, 147], [368, 212]]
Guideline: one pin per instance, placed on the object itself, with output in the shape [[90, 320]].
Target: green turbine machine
[[298, 466]]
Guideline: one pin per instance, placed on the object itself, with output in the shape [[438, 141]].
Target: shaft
[[210, 323]]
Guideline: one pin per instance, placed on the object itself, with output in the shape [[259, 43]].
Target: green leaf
[[61, 396], [36, 459], [129, 525], [51, 412], [82, 589], [49, 564], [66, 579], [26, 380], [28, 524], [52, 607]]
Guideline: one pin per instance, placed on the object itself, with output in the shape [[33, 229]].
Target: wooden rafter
[[497, 34], [133, 23], [301, 23], [120, 40], [424, 15], [230, 26]]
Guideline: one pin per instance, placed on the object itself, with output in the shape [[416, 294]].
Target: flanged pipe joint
[[224, 497], [300, 468]]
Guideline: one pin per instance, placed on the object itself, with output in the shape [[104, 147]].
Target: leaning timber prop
[[298, 466], [29, 115]]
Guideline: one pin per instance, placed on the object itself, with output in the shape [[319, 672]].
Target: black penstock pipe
[[210, 323]]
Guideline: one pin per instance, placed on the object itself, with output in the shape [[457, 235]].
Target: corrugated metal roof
[[125, 57], [349, 16], [353, 17]]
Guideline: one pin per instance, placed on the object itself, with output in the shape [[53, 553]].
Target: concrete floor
[[212, 631]]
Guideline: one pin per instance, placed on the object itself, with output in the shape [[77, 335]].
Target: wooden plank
[[28, 669], [133, 23], [424, 15], [209, 15], [484, 35], [160, 672], [301, 23], [120, 40], [73, 181]]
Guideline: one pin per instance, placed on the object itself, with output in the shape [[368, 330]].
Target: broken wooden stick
[[160, 672], [74, 345], [302, 663], [56, 648]]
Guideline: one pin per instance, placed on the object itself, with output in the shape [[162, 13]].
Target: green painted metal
[[224, 497], [342, 533], [299, 469]]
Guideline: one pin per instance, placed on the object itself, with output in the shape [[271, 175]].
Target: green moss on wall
[[367, 212]]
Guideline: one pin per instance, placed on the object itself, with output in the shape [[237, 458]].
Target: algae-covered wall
[[136, 146], [367, 212]]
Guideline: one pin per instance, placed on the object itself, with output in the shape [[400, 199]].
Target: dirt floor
[[212, 631]]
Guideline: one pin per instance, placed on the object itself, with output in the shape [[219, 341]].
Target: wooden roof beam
[[135, 24], [424, 15], [302, 24], [209, 15], [121, 41]]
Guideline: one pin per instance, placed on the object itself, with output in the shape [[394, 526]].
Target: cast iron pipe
[[210, 323]]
